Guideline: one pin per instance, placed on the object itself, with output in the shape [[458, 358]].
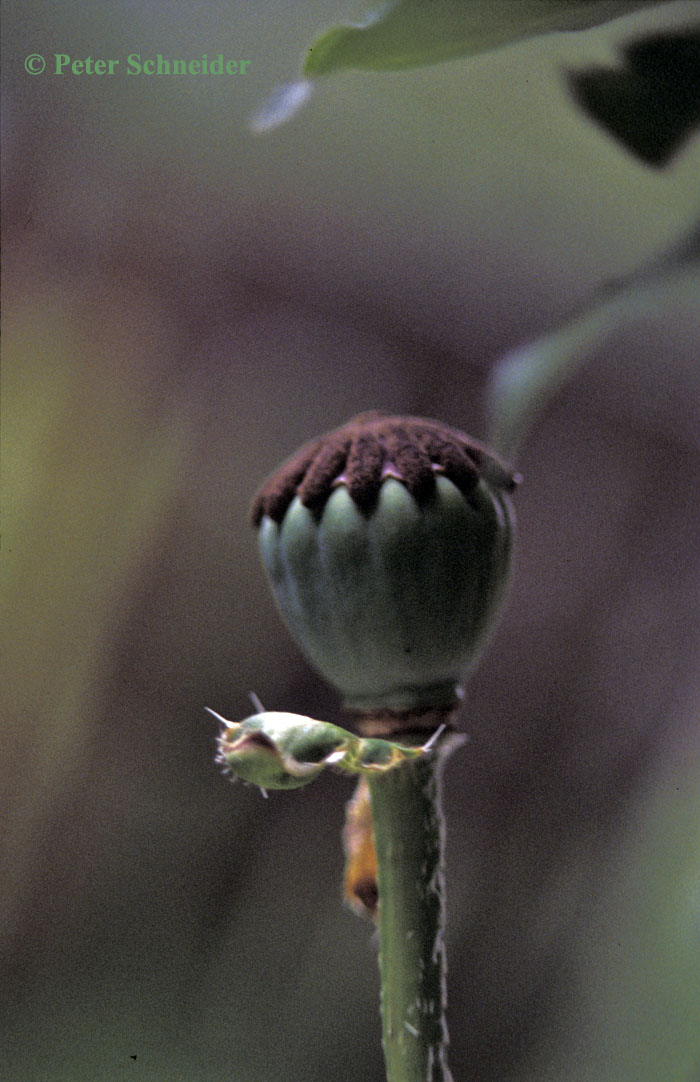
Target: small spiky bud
[[276, 750]]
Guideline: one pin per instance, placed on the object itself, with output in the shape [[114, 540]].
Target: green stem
[[409, 839]]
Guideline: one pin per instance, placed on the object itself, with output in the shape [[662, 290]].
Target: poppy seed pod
[[388, 546]]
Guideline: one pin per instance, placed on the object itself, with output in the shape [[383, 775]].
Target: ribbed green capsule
[[388, 547]]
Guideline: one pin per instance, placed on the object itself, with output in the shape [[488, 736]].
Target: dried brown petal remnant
[[370, 448]]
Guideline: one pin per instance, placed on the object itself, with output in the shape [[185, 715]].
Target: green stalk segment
[[409, 839]]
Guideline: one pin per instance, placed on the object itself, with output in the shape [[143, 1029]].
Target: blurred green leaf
[[526, 379], [650, 101], [408, 33]]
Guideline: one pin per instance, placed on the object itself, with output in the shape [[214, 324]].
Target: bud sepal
[[277, 750]]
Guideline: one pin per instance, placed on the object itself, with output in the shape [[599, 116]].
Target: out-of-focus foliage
[[410, 33], [407, 33], [650, 100], [525, 380]]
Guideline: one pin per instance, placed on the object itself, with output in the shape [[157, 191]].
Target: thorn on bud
[[256, 702], [434, 738], [218, 717]]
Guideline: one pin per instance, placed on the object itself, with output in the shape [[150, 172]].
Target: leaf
[[526, 379], [277, 750], [651, 100], [409, 33]]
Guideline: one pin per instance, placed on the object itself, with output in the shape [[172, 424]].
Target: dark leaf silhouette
[[651, 103]]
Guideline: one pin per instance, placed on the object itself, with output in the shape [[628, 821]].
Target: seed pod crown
[[371, 448], [387, 544]]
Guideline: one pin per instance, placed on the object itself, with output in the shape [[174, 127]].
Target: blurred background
[[185, 303]]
